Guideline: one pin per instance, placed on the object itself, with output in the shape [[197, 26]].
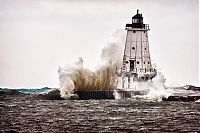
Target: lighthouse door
[[132, 65]]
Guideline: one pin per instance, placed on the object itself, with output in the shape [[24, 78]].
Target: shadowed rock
[[182, 98], [186, 93], [52, 95], [194, 88]]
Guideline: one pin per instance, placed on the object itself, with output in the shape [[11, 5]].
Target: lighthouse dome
[[137, 18]]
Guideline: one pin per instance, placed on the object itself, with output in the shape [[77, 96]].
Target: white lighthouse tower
[[137, 65]]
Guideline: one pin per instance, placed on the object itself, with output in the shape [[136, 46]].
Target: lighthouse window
[[144, 62], [134, 31], [148, 62], [145, 48], [144, 31], [138, 62], [135, 20], [126, 62], [133, 48]]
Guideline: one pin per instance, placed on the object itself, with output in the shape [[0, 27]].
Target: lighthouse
[[137, 66]]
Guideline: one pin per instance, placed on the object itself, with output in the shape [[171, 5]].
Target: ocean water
[[28, 90], [29, 113]]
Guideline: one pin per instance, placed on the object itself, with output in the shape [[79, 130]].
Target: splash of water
[[153, 90], [77, 78]]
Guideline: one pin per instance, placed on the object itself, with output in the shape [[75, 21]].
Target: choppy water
[[24, 113], [29, 90]]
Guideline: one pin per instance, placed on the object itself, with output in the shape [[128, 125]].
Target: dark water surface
[[27, 114]]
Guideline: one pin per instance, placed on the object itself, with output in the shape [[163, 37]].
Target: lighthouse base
[[110, 94]]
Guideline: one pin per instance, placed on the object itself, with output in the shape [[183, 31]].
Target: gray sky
[[37, 36]]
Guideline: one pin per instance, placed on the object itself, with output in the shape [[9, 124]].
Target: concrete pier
[[85, 95]]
